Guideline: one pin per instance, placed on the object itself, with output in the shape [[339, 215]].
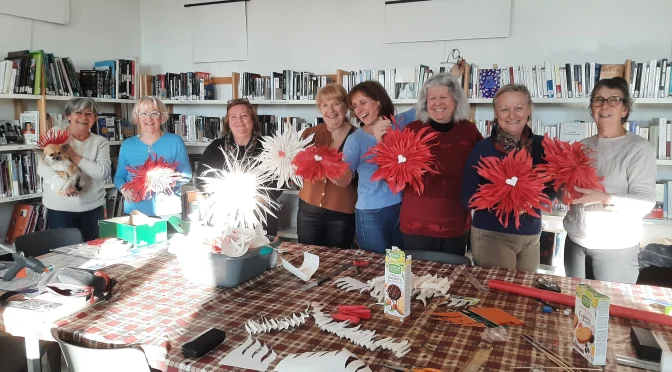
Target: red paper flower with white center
[[155, 175], [569, 166], [53, 137], [317, 163], [515, 187], [403, 157]]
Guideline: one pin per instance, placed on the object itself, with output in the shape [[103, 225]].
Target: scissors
[[548, 285], [398, 368]]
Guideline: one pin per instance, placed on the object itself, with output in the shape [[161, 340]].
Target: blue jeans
[[86, 222], [378, 229]]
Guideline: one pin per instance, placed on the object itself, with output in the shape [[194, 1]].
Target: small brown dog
[[57, 158]]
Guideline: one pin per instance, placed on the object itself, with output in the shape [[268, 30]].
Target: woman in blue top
[[149, 113]]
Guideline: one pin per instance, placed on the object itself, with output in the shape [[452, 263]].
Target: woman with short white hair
[[435, 219], [91, 153], [149, 113]]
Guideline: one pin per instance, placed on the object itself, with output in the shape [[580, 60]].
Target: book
[[30, 126]]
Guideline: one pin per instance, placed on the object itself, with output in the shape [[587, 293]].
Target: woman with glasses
[[242, 137], [91, 153], [149, 113], [604, 228]]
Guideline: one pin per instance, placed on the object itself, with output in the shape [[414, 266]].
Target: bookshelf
[[20, 96]]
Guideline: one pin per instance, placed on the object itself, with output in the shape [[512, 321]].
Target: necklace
[[148, 143], [340, 132]]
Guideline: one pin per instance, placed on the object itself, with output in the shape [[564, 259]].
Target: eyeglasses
[[612, 101], [144, 115], [236, 101]]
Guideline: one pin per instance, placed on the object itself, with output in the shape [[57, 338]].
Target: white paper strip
[[256, 357], [310, 264]]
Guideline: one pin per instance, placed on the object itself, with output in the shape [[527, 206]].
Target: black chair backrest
[[656, 276], [440, 257], [42, 242]]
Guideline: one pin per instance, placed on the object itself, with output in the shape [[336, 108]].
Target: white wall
[[98, 30]]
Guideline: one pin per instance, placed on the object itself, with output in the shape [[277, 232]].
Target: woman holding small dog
[[90, 153], [149, 113]]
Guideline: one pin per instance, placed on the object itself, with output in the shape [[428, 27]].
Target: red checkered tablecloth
[[155, 308]]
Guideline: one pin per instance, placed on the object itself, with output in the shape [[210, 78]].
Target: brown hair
[[250, 109], [614, 83], [332, 91], [373, 90]]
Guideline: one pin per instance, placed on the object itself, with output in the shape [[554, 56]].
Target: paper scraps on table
[[461, 301], [235, 242], [349, 284], [352, 313], [360, 337], [311, 262], [334, 361], [99, 249], [422, 287], [276, 324], [278, 154], [256, 357], [482, 317]]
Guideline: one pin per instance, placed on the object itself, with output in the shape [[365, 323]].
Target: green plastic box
[[139, 236]]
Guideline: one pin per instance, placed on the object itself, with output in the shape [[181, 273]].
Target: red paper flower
[[319, 162], [403, 157], [53, 137], [155, 175], [569, 166], [516, 187]]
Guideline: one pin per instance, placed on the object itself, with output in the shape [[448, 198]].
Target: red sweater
[[438, 212]]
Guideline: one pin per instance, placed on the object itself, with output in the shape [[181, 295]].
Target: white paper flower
[[279, 152]]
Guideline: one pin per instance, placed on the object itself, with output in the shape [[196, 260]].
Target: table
[[155, 308]]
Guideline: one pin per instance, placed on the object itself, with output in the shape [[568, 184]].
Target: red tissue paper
[[569, 300], [317, 163], [569, 165], [155, 175], [403, 157], [53, 137], [516, 188]]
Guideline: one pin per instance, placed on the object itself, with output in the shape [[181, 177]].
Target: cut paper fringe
[[53, 137], [317, 163], [515, 187], [422, 287], [278, 154], [238, 195], [252, 354], [277, 324], [569, 166], [155, 175], [360, 337], [403, 157], [334, 361]]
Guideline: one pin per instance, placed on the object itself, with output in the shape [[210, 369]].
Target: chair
[[13, 354], [656, 276], [440, 257], [82, 359], [42, 242]]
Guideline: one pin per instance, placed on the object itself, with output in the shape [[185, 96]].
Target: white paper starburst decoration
[[279, 152], [239, 197]]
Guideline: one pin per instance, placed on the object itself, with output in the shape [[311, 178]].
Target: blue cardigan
[[370, 194], [484, 219], [134, 152]]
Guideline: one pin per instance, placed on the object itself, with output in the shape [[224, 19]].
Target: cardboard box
[[591, 324], [397, 284], [155, 231]]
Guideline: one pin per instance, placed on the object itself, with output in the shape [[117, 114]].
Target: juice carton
[[397, 284], [591, 324]]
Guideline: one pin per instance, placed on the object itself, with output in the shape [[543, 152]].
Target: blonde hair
[[331, 91], [513, 88], [150, 101], [454, 89]]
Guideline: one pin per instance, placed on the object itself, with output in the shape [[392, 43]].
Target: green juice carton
[[397, 284]]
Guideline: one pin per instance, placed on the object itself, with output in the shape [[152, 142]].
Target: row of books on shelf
[[650, 79], [400, 83], [26, 130], [285, 85], [663, 207], [23, 72], [194, 128], [179, 86], [26, 218], [276, 125], [18, 174]]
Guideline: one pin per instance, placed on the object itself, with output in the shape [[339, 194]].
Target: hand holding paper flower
[[515, 187], [319, 162], [156, 175], [403, 157]]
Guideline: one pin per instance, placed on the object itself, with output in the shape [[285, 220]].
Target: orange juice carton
[[397, 284], [591, 324]]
